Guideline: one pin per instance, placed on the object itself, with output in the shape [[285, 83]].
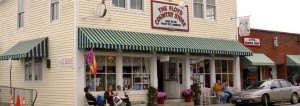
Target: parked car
[[267, 93]]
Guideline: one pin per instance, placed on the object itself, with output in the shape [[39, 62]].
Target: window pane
[[206, 66], [218, 66], [224, 66], [28, 71], [213, 2], [127, 65], [111, 64], [122, 3], [111, 80], [57, 11], [207, 80], [133, 4], [139, 5], [276, 84], [115, 3], [283, 84], [196, 10], [38, 71], [224, 77], [230, 66], [230, 81]]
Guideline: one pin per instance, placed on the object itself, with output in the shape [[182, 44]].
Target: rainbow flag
[[91, 60]]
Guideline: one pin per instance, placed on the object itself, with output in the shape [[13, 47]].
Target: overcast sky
[[278, 15]]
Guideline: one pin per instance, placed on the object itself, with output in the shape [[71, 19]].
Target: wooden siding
[[58, 85], [130, 20]]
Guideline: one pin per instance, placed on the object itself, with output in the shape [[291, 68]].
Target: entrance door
[[173, 78]]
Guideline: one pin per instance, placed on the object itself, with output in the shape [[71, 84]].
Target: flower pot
[[150, 104], [188, 99], [161, 101]]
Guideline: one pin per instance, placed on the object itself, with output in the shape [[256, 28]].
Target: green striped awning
[[27, 49], [125, 40], [293, 60], [257, 59]]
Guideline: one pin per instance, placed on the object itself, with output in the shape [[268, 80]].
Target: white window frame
[[146, 74], [215, 14], [227, 72], [105, 74], [52, 2], [21, 12], [128, 6], [205, 11], [33, 70]]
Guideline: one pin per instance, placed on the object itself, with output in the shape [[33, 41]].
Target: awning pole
[[10, 75]]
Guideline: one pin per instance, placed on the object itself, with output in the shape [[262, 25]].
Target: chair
[[207, 95]]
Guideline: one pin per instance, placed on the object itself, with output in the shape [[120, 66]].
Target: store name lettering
[[252, 41], [170, 11]]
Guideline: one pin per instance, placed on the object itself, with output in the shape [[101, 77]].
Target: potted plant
[[188, 94], [161, 96], [196, 89], [151, 95]]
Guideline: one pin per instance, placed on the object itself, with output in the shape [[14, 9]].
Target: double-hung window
[[198, 8], [129, 4], [136, 4], [21, 6], [205, 9], [211, 9], [54, 10], [33, 69]]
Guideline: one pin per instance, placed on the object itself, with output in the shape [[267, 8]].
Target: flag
[[244, 26], [90, 59]]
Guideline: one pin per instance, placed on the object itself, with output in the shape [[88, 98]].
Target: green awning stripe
[[125, 40], [293, 60], [27, 49], [257, 59]]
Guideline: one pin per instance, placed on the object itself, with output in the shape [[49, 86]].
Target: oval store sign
[[169, 16], [251, 41]]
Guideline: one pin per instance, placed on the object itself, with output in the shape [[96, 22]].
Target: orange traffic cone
[[23, 102], [18, 101], [11, 102]]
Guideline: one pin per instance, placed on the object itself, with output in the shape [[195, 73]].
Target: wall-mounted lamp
[[181, 4], [275, 42]]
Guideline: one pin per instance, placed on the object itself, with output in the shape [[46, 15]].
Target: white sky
[[277, 15]]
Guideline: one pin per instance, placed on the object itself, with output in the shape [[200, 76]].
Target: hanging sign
[[169, 16], [251, 41], [244, 26], [164, 58]]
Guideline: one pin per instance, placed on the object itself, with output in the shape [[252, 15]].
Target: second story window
[[119, 3], [21, 5], [136, 4], [54, 10], [211, 9], [198, 8], [128, 4]]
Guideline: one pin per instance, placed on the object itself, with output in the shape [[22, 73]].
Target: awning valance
[[293, 60], [257, 59], [125, 40], [30, 48]]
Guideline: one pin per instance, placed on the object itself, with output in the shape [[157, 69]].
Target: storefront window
[[136, 73], [224, 71], [201, 72], [106, 74], [293, 73], [250, 74]]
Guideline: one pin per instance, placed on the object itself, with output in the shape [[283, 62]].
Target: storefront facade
[[137, 43], [275, 55]]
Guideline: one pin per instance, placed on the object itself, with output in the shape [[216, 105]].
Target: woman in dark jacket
[[109, 95], [91, 99]]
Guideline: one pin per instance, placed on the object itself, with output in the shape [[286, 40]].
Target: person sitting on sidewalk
[[123, 96], [219, 89], [109, 95], [226, 90], [91, 99]]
